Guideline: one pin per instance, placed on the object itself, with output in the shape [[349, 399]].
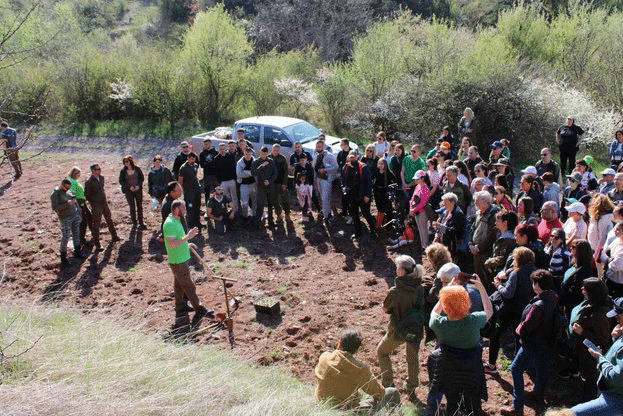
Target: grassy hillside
[[89, 365]]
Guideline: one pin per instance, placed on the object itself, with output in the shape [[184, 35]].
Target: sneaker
[[569, 372], [491, 369]]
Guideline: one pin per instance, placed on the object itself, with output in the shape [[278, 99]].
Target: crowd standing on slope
[[543, 262]]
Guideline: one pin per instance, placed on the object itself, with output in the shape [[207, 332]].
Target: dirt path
[[324, 282]]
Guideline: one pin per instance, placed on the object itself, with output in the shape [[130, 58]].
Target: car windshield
[[302, 132]]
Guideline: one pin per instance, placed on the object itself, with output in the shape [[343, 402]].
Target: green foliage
[[176, 11], [334, 95], [212, 60]]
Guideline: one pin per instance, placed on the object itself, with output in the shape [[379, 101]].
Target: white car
[[268, 130]]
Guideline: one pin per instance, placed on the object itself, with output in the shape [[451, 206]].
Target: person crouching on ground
[[405, 297], [178, 252], [339, 377], [219, 211], [65, 205]]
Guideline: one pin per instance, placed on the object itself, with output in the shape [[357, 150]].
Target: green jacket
[[60, 203]]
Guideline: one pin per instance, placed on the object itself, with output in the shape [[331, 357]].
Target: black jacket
[[177, 164], [225, 167], [206, 161], [358, 180], [537, 320]]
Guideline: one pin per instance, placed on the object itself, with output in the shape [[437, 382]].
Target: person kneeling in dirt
[[65, 205], [219, 211], [340, 376], [178, 252], [405, 304]]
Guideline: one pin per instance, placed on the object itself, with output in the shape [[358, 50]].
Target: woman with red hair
[[455, 367]]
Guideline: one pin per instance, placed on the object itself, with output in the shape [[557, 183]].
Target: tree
[[329, 25], [213, 60]]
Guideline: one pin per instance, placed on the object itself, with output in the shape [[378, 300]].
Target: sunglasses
[[413, 151]]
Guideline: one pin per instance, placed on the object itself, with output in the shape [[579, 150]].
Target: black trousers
[[193, 209], [567, 154], [355, 203]]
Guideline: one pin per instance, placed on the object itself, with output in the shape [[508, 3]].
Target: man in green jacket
[[65, 205]]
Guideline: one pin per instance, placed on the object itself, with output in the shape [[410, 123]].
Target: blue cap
[[618, 308], [497, 144]]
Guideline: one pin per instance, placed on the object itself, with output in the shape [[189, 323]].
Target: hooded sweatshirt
[[340, 376]]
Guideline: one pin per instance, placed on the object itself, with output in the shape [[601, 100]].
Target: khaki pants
[[387, 345], [183, 286]]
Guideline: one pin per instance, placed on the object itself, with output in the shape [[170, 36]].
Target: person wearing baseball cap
[[573, 190], [575, 227], [606, 183], [496, 151], [610, 371], [421, 194]]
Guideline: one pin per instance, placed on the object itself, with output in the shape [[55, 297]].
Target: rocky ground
[[323, 280]]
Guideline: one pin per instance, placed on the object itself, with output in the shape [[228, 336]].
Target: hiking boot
[[204, 312], [78, 253], [116, 238], [64, 261], [491, 369]]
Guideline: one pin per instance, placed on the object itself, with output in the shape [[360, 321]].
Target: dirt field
[[324, 281]]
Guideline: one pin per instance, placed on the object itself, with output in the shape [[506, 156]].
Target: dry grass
[[89, 365]]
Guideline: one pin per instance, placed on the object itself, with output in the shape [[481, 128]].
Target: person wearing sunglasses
[[96, 195], [181, 158]]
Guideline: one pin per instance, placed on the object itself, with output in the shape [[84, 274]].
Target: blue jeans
[[538, 356], [604, 405]]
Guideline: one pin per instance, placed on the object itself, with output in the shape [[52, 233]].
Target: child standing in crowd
[[304, 193]]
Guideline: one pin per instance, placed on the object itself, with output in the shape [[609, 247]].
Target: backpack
[[411, 326]]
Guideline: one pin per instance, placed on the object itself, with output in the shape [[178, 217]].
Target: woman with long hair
[[480, 172], [529, 187], [600, 223], [371, 159], [131, 180], [380, 183], [78, 191], [503, 200], [588, 321], [467, 124], [583, 268], [395, 163], [466, 143], [525, 211], [464, 176]]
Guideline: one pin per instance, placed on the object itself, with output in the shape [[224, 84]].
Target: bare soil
[[323, 280]]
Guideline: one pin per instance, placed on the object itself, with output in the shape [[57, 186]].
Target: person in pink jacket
[[421, 194]]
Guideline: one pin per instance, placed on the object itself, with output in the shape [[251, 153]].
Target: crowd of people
[[543, 262]]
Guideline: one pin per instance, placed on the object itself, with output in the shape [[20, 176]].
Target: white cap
[[419, 174], [576, 207], [608, 171], [529, 170]]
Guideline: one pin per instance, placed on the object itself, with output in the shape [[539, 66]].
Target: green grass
[[92, 366]]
